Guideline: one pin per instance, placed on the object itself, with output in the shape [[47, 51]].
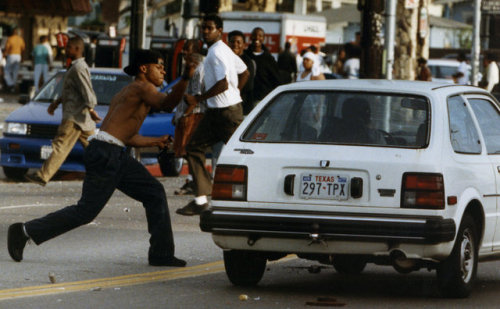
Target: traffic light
[[209, 6]]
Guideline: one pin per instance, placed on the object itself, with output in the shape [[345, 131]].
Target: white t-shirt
[[221, 62], [492, 75], [351, 67], [462, 68]]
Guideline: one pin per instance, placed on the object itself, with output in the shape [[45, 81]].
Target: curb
[[154, 170]]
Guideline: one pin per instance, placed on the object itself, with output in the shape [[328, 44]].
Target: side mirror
[[24, 98]]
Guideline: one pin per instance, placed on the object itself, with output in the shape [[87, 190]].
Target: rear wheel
[[349, 264], [15, 173], [244, 268], [456, 274]]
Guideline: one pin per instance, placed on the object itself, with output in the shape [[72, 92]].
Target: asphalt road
[[104, 265]]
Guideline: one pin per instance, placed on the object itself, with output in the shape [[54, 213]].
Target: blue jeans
[[109, 167]]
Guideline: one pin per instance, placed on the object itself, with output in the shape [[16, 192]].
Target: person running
[[79, 117], [109, 166]]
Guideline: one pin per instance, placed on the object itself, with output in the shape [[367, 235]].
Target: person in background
[[423, 71], [338, 65], [236, 40], [42, 61], [93, 48], [287, 65], [225, 74], [461, 77], [267, 76], [14, 48], [351, 66], [308, 73], [187, 117], [320, 62], [78, 115], [491, 75]]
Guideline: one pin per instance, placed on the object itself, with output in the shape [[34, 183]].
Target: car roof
[[447, 62], [116, 71], [382, 85]]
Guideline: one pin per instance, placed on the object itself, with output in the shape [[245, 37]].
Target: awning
[[46, 7]]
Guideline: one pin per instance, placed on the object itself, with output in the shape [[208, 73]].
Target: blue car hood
[[36, 112]]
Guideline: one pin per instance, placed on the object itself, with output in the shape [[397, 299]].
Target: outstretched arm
[[146, 141]]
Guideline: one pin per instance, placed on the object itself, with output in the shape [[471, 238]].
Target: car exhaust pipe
[[401, 262]]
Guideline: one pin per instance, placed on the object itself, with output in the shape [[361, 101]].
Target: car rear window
[[105, 85], [332, 117]]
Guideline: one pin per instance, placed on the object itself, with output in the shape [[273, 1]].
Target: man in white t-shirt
[[225, 74], [461, 77]]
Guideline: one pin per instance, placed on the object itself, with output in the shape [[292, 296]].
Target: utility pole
[[371, 45], [476, 49], [137, 26], [390, 31]]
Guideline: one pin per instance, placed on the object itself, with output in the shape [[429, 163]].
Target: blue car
[[29, 130]]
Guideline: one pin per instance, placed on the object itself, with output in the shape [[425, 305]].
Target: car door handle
[[289, 184]]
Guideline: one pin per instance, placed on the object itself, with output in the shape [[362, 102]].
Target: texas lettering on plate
[[324, 186]]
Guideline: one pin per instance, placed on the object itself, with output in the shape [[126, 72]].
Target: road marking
[[120, 281], [27, 206]]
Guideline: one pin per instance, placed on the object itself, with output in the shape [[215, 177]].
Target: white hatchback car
[[349, 172]]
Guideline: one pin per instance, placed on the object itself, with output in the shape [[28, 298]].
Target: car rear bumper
[[264, 223]]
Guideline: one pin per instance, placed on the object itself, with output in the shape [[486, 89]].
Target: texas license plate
[[324, 186], [45, 152]]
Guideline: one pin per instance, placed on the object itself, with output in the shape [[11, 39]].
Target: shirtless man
[[109, 166]]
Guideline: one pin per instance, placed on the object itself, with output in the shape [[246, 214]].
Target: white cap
[[310, 56]]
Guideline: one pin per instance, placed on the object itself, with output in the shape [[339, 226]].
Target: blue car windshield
[[105, 85]]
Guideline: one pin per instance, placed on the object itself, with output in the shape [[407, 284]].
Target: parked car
[[29, 130], [442, 70], [350, 172]]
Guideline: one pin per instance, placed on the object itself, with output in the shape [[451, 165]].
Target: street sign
[[490, 6]]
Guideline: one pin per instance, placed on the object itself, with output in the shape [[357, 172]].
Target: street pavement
[[104, 264]]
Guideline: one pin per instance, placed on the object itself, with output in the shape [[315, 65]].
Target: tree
[[411, 38]]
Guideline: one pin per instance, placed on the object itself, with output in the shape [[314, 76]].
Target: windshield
[[105, 85], [374, 119]]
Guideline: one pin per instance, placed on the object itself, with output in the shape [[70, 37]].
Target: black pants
[[109, 167]]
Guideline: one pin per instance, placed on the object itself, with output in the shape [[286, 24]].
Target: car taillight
[[424, 191], [230, 183]]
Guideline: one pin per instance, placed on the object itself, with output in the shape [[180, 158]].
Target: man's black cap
[[142, 56]]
